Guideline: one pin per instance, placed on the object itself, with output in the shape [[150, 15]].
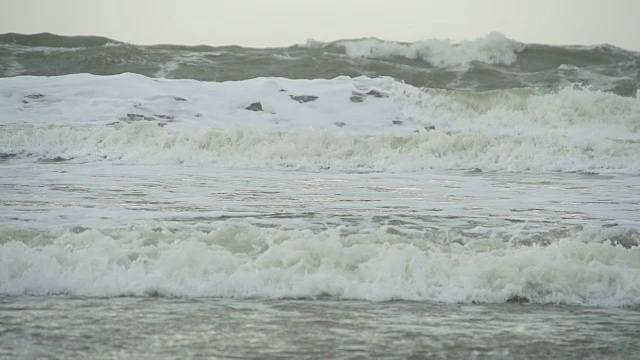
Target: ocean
[[360, 198]]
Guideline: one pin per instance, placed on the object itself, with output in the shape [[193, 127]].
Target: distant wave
[[53, 40], [490, 63], [493, 49]]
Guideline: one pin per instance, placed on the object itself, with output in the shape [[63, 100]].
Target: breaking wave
[[244, 261]]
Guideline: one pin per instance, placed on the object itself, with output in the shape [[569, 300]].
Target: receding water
[[150, 328]]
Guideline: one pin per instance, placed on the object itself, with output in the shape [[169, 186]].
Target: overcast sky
[[284, 22]]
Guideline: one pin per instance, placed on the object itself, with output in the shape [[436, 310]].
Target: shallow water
[[106, 195], [114, 230], [146, 328]]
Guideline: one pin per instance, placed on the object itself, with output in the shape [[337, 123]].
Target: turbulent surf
[[486, 171]]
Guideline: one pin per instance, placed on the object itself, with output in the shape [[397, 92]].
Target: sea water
[[362, 198]]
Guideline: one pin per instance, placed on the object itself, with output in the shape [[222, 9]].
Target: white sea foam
[[239, 260], [148, 241], [495, 48], [145, 143], [134, 119]]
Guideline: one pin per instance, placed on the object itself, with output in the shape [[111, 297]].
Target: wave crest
[[241, 260], [495, 48]]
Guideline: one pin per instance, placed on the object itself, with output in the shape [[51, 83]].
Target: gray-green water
[[489, 63], [152, 328]]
